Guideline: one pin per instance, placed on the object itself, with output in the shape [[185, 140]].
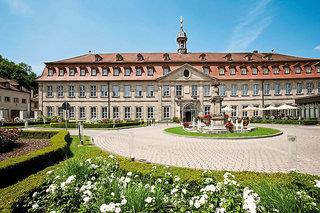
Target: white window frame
[[150, 71], [266, 89], [82, 91], [266, 71], [234, 90], [297, 70], [138, 112], [60, 91], [82, 72], [288, 88], [139, 91], [116, 71], [127, 113], [245, 90], [49, 91], [150, 112], [222, 90], [104, 91], [72, 72], [71, 91], [71, 112], [93, 112], [150, 91], [221, 71], [127, 71], [178, 90], [105, 72], [309, 87], [93, 91], [244, 71], [232, 71], [93, 72], [287, 70], [206, 110], [308, 70], [166, 91], [166, 112], [61, 72], [299, 88], [254, 71], [115, 112], [275, 70], [277, 89], [104, 112], [256, 89], [194, 90], [127, 91], [115, 91], [50, 72], [206, 90], [82, 112], [49, 111], [138, 71]]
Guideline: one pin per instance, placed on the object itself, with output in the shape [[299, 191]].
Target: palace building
[[163, 85]]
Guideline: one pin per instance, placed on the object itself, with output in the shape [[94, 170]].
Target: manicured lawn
[[258, 132], [291, 182]]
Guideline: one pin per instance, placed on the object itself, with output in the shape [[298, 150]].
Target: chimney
[[255, 51], [89, 51]]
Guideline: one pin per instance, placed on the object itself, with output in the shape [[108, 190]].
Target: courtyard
[[152, 144]]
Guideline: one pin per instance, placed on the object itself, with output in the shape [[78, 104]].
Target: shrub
[[186, 124], [98, 125], [229, 126], [17, 168], [22, 123], [175, 120], [285, 121], [8, 137]]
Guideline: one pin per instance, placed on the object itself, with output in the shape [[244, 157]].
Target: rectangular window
[[23, 100], [93, 112], [206, 70], [138, 112], [166, 90], [49, 111], [127, 112], [277, 89], [222, 90], [234, 111], [6, 99], [71, 112], [244, 113], [115, 91], [308, 70], [61, 72], [234, 90], [243, 71], [178, 90], [318, 69], [166, 112], [150, 91], [298, 70], [93, 72], [60, 91], [288, 88], [71, 91], [266, 89], [82, 112], [265, 71], [254, 71], [82, 92], [206, 90], [127, 71], [166, 70], [207, 110], [116, 71], [138, 71], [105, 71], [150, 114], [245, 89], [221, 71], [194, 90], [15, 100], [49, 91], [104, 111], [232, 71], [82, 72], [286, 70], [71, 72], [276, 71], [104, 90], [115, 111], [256, 112], [50, 72], [299, 88], [127, 91], [309, 88], [93, 91], [138, 91], [150, 71], [60, 112]]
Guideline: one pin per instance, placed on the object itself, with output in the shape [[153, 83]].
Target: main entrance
[[188, 112]]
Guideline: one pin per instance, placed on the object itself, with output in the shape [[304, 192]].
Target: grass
[[12, 194], [258, 132]]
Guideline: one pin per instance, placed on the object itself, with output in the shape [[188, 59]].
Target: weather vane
[[181, 21]]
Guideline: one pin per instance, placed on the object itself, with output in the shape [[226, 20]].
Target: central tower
[[182, 39]]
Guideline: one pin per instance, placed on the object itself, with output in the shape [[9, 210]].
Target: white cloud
[[19, 7], [317, 48], [251, 26]]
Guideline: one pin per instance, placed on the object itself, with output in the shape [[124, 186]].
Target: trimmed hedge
[[280, 121], [22, 124], [17, 168], [98, 125]]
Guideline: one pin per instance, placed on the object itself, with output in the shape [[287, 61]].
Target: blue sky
[[34, 31]]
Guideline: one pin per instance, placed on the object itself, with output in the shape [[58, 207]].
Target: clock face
[[186, 73]]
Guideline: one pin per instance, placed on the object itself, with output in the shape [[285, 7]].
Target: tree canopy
[[21, 72]]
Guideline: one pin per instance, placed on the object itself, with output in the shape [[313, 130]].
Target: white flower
[[51, 188], [148, 200], [103, 208], [220, 210], [209, 188], [202, 200], [123, 201], [184, 191], [111, 207], [197, 204], [63, 184], [34, 194], [174, 190], [152, 188], [86, 199], [88, 192], [117, 210], [53, 212], [176, 179], [35, 206], [317, 185], [154, 167], [127, 180], [129, 173], [93, 178], [70, 179], [111, 157], [112, 194], [49, 172]]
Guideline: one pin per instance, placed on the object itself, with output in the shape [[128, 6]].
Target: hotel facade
[[161, 86]]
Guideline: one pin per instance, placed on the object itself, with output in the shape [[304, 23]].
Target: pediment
[[179, 74]]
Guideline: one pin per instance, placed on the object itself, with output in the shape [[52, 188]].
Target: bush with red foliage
[[229, 126], [186, 124], [8, 137]]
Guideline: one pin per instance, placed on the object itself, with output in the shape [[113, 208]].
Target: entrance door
[[188, 116], [189, 111]]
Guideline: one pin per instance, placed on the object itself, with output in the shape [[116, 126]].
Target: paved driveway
[[263, 155]]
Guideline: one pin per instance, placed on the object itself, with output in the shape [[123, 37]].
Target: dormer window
[[140, 57], [248, 57], [116, 71], [105, 71], [202, 57], [93, 72], [254, 71], [221, 71], [127, 71], [61, 72], [243, 71], [275, 70], [119, 57], [50, 72], [166, 57], [232, 71], [298, 69], [138, 71], [166, 70], [286, 70], [318, 69], [97, 57], [268, 56], [206, 70], [308, 70], [72, 72], [265, 70], [150, 71], [228, 57], [82, 72]]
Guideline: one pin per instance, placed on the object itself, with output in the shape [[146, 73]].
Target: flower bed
[[17, 168], [99, 185]]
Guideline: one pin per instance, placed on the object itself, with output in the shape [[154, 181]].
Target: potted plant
[[229, 126]]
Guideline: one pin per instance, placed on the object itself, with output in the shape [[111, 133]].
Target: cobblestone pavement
[[263, 155]]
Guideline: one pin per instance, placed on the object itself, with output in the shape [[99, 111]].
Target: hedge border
[[98, 125], [280, 121], [15, 124], [18, 168]]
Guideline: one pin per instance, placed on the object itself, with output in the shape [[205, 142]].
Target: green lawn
[[258, 132], [16, 192]]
